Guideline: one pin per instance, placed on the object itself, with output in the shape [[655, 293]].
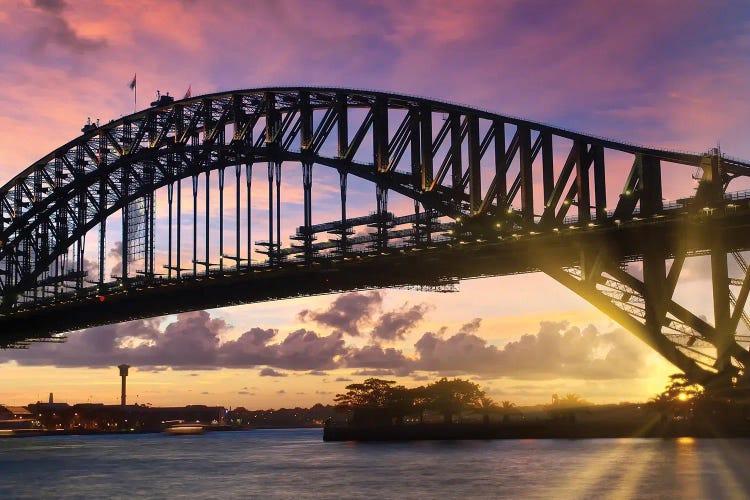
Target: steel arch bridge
[[485, 194]]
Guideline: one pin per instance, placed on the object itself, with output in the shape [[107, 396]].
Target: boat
[[185, 429]]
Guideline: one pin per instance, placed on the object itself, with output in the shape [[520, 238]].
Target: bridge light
[[566, 202], [510, 210], [556, 229], [628, 192], [591, 224], [102, 298], [458, 219]]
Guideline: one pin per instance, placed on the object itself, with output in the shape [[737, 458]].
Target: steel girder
[[432, 152]]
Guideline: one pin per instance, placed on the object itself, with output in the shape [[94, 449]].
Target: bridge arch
[[480, 182]]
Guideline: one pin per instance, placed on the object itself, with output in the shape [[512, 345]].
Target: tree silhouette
[[420, 400], [678, 397], [507, 409], [450, 397], [399, 403], [567, 406], [375, 401], [486, 406]]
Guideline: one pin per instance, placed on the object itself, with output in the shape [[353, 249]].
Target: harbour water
[[297, 464]]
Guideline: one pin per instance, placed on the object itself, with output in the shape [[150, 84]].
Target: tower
[[124, 375]]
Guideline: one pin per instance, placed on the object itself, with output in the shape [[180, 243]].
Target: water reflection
[[297, 464]]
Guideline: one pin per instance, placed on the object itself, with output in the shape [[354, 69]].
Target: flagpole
[[135, 96]]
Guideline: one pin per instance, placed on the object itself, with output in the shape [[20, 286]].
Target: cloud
[[300, 350], [192, 341], [57, 31], [393, 325], [351, 312], [54, 6], [374, 373], [189, 342], [471, 327], [246, 393], [115, 254], [270, 372], [342, 379], [347, 313], [556, 351], [374, 356]]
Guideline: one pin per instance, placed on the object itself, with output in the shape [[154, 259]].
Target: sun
[[683, 397]]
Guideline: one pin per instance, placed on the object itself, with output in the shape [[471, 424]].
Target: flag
[[189, 92], [132, 83]]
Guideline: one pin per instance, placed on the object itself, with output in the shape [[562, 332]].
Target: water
[[297, 464]]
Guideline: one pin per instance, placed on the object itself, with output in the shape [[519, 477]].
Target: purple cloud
[[270, 372], [347, 313], [556, 351], [300, 350], [393, 325]]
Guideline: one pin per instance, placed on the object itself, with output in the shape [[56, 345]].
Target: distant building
[[15, 412], [52, 415]]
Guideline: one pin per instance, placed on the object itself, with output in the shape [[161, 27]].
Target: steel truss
[[432, 152]]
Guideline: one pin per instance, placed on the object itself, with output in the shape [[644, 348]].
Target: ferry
[[19, 427], [185, 429]]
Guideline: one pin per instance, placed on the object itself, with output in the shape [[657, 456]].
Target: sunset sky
[[672, 73]]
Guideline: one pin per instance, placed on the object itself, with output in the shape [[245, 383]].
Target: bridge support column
[[344, 234], [527, 182], [720, 289], [654, 279], [425, 131], [277, 248], [270, 212], [381, 195], [248, 202], [125, 226], [195, 225], [307, 187], [221, 219], [237, 213], [178, 242], [102, 232], [170, 197], [475, 168], [500, 166], [208, 221]]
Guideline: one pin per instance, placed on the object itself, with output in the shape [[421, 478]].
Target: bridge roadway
[[439, 264]]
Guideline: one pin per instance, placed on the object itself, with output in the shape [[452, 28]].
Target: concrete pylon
[[124, 375]]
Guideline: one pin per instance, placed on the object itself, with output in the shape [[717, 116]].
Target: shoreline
[[536, 430], [20, 433]]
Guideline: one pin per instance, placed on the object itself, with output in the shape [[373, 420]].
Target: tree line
[[377, 401]]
